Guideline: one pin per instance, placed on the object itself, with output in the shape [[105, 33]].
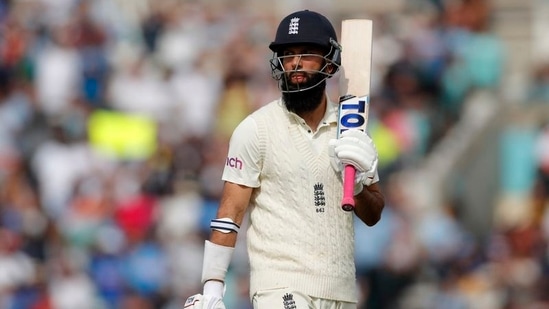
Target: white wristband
[[358, 188], [216, 261], [214, 288]]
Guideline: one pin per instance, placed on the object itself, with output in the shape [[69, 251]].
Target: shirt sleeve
[[243, 162]]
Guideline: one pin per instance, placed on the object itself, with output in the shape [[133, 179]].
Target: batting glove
[[199, 301], [356, 148]]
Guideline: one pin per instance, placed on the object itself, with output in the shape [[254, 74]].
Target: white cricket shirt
[[298, 235]]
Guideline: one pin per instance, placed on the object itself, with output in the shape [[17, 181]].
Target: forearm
[[227, 240], [225, 229], [369, 204], [217, 255]]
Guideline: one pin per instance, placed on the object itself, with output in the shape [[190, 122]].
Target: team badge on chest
[[289, 302], [319, 198]]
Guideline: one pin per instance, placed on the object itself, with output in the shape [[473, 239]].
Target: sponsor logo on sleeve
[[234, 162]]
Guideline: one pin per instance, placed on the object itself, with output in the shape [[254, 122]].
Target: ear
[[331, 68]]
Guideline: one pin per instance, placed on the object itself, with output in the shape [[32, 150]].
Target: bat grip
[[348, 201]]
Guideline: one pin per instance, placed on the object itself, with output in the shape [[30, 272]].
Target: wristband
[[358, 188], [216, 261], [214, 288], [224, 225]]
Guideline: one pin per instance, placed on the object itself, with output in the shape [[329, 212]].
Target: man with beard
[[284, 168]]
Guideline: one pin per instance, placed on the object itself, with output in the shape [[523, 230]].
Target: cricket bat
[[354, 89]]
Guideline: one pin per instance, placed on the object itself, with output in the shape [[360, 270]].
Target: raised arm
[[356, 148], [369, 204]]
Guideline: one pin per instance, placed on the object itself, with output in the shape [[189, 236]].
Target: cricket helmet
[[306, 27]]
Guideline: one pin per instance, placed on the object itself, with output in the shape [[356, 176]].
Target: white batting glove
[[356, 148], [199, 301]]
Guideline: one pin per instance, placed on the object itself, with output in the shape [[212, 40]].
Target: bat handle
[[348, 201]]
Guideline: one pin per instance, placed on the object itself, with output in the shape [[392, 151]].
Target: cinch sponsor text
[[234, 162]]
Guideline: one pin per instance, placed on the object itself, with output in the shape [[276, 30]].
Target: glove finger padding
[[356, 148], [199, 301]]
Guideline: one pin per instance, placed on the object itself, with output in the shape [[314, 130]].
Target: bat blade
[[354, 89]]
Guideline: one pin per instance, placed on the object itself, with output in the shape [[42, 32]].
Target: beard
[[305, 100]]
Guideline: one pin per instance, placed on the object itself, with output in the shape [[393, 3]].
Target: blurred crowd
[[114, 121]]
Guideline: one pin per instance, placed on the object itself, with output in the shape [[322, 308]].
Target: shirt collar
[[332, 109]]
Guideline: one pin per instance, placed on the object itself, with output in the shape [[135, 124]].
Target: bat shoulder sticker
[[353, 112]]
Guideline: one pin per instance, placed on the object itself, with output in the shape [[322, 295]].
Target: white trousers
[[289, 299]]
